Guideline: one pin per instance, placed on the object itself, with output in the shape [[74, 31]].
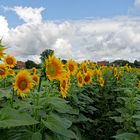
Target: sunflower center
[[85, 69], [2, 71], [64, 84], [35, 79], [9, 61], [1, 53], [87, 78], [52, 69], [71, 67], [80, 79], [23, 84]]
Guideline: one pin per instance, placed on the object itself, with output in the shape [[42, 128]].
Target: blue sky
[[77, 29], [69, 9]]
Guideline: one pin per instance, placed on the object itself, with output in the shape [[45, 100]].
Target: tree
[[45, 54], [30, 64], [122, 63], [137, 63]]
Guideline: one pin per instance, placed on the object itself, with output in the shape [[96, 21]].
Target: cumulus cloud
[[27, 14], [3, 26], [95, 39]]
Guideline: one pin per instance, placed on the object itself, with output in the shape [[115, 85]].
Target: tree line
[[44, 55]]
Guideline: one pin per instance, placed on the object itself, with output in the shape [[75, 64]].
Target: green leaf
[[37, 136], [11, 118], [5, 92], [136, 116], [61, 106], [59, 125], [117, 119], [127, 136], [138, 123]]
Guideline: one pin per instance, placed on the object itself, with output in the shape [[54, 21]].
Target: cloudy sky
[[77, 29]]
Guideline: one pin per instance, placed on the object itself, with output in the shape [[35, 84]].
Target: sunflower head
[[54, 68], [34, 70], [35, 79], [64, 86], [88, 77], [72, 67], [2, 52], [3, 71], [11, 72], [101, 81], [84, 66], [10, 61], [80, 79], [23, 82]]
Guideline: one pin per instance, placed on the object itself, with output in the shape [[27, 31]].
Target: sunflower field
[[68, 101]]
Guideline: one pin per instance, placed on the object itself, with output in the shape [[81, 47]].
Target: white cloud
[[27, 14], [3, 26], [97, 39], [137, 3]]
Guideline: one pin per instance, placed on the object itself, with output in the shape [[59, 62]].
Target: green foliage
[[30, 64], [44, 55], [12, 118]]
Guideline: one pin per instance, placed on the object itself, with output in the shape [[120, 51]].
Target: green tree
[[30, 64], [137, 63], [45, 54]]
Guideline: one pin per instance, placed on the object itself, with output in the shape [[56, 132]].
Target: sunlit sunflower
[[35, 78], [101, 81], [11, 72], [64, 86], [84, 66], [34, 70], [23, 82], [80, 79], [54, 68], [10, 61], [3, 71], [98, 73], [2, 52], [88, 77], [72, 66]]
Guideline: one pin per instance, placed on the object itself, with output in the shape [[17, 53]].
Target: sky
[[75, 29]]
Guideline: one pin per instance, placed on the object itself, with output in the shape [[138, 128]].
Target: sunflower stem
[[40, 80], [4, 82], [12, 98]]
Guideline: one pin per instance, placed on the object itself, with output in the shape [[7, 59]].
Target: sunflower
[[23, 83], [101, 81], [10, 61], [64, 86], [11, 72], [72, 66], [54, 68], [2, 52], [34, 70], [84, 66], [80, 79], [35, 79], [88, 77], [3, 71]]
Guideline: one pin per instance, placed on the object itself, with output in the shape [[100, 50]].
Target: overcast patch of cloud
[[97, 39]]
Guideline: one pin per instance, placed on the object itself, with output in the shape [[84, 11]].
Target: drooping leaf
[[59, 125], [127, 136], [11, 118]]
